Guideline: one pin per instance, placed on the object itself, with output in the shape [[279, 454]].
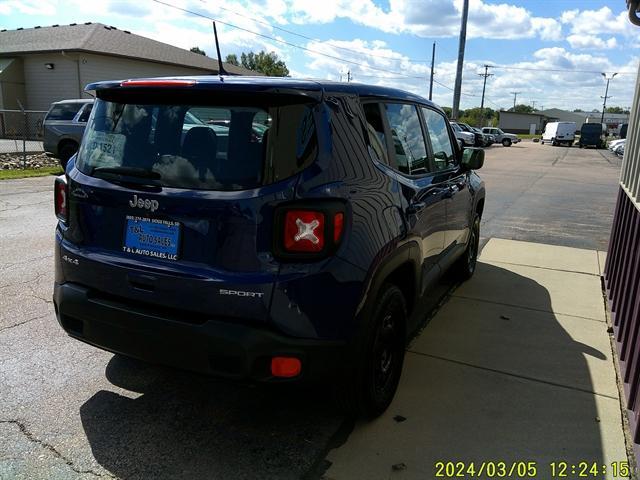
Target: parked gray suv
[[63, 127]]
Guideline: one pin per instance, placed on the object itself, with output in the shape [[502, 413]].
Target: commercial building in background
[[42, 65], [514, 122], [622, 270], [611, 120], [558, 115]]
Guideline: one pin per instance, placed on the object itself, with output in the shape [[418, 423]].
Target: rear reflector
[[304, 231], [338, 225], [158, 83], [60, 198], [285, 367]]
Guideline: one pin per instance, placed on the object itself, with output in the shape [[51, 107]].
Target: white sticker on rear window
[[104, 149]]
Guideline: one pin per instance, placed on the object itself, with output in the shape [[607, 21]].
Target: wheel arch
[[401, 268]]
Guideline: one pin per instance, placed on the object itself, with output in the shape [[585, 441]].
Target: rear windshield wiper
[[127, 171]]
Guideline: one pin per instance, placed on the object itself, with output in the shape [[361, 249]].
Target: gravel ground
[[12, 161]]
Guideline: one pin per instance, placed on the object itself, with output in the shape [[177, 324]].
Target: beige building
[[42, 65], [513, 122]]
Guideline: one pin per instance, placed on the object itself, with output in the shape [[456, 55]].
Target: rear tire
[[369, 385], [506, 142], [465, 266]]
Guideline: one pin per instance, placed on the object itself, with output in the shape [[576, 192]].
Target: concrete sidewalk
[[517, 366]]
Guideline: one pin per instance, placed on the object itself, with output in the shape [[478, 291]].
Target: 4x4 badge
[[151, 205]]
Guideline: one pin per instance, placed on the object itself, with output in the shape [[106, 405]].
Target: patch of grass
[[29, 172], [526, 135]]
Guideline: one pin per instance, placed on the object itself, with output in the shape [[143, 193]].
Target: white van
[[559, 132]]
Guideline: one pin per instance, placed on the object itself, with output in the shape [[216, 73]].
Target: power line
[[273, 39], [561, 70], [311, 39]]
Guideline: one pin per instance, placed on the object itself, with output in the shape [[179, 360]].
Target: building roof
[[535, 114], [103, 39]]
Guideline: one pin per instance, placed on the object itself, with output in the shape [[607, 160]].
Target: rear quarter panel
[[329, 295]]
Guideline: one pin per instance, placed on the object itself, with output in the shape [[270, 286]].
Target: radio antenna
[[221, 70]]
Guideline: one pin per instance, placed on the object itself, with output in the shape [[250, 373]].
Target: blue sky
[[554, 50]]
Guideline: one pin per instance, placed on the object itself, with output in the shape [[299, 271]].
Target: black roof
[[312, 88]]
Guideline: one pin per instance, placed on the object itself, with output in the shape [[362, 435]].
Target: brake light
[[158, 83], [304, 231], [60, 198], [285, 367]]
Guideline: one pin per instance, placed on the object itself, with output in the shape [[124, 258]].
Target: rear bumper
[[219, 347]]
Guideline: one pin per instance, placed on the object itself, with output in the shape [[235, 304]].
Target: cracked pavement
[[69, 410]]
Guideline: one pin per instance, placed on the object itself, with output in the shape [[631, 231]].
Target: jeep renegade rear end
[[261, 228]]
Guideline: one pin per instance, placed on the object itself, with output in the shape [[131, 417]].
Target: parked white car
[[558, 133], [614, 143], [468, 139], [506, 139], [618, 148]]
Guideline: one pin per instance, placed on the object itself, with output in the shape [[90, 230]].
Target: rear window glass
[[223, 147], [64, 111]]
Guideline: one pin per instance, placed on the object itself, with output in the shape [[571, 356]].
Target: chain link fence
[[21, 135]]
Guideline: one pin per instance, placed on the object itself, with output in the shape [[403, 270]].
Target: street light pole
[[606, 95]]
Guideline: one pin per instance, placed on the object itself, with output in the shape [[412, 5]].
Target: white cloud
[[562, 88], [591, 42], [430, 18], [27, 7], [595, 22]]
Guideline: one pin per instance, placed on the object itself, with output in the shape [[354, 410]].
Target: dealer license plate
[[152, 237]]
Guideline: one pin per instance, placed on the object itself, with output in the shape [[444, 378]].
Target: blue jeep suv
[[267, 229]]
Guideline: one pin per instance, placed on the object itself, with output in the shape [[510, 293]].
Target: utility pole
[[349, 77], [484, 85], [515, 96], [463, 39], [534, 104], [433, 58], [606, 94]]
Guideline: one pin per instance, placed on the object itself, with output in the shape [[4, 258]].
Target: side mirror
[[472, 158]]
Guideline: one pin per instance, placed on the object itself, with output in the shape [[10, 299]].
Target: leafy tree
[[232, 58], [522, 109], [447, 112], [578, 110], [476, 117], [263, 62], [197, 50], [616, 110]]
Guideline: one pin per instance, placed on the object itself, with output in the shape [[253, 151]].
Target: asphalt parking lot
[[68, 410]]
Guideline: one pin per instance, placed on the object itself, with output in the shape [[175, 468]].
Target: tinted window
[[443, 151], [64, 111], [375, 129], [408, 142], [84, 116], [201, 147]]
